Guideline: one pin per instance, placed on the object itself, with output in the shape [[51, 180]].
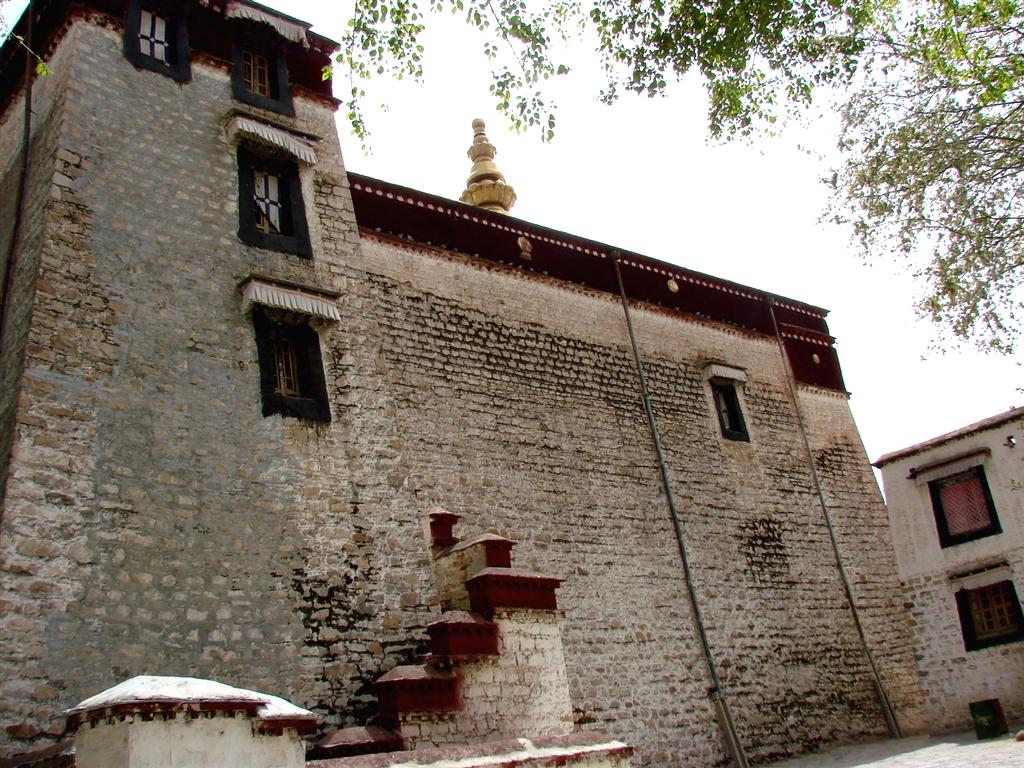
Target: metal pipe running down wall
[[883, 700], [11, 263], [716, 693]]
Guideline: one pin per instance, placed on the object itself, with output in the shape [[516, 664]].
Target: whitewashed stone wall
[[522, 691], [951, 676], [215, 742]]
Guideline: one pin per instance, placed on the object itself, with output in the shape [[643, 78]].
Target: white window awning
[[983, 577], [720, 371], [293, 299], [289, 30], [297, 147], [951, 466]]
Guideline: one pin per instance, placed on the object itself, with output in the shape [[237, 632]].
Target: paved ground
[[961, 750]]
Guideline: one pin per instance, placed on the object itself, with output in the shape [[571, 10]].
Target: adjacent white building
[[956, 506]]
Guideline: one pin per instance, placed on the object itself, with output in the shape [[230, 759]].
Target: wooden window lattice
[[993, 612], [153, 36], [964, 505], [256, 72], [267, 197], [286, 369]]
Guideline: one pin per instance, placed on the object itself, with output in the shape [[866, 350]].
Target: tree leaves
[[934, 139], [761, 58], [933, 135], [40, 67], [383, 39]]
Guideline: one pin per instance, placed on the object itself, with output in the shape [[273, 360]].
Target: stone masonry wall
[[42, 200], [861, 524], [952, 678], [527, 421], [156, 523]]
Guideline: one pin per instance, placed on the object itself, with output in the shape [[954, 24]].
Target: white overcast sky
[[641, 175]]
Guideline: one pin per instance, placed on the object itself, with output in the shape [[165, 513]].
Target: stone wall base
[[584, 750]]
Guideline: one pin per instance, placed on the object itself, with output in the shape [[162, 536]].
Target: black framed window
[[291, 370], [156, 37], [256, 73], [271, 213], [963, 507], [730, 415], [990, 615], [260, 74]]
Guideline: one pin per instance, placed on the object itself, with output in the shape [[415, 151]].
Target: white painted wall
[[952, 677], [215, 742], [914, 535]]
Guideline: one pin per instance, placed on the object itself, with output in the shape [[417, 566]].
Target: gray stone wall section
[[155, 521], [864, 537], [528, 422], [40, 201]]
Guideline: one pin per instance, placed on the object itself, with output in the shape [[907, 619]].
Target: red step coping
[[59, 755], [360, 740], [418, 688], [441, 524], [497, 549], [492, 588], [460, 633]]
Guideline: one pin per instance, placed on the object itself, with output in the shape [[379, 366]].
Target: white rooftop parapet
[[184, 722]]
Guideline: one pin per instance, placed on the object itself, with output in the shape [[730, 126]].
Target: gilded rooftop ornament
[[486, 185]]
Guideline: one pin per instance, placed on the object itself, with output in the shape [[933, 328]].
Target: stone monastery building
[[236, 377]]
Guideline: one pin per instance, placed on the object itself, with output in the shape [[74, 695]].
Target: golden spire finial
[[486, 185]]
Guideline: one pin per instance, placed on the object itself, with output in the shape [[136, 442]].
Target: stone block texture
[[156, 523], [521, 691]]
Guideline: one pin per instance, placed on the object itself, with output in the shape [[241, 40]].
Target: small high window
[[156, 37], [271, 213], [730, 415], [260, 76], [963, 507], [291, 370], [990, 615]]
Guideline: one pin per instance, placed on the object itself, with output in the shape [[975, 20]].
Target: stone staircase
[[492, 692], [495, 670]]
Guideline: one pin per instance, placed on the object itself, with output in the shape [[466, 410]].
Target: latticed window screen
[[256, 72], [286, 370], [267, 197], [153, 36], [994, 612], [964, 504]]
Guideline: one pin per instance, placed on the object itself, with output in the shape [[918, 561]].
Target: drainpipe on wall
[[12, 251], [26, 132], [716, 693], [883, 700]]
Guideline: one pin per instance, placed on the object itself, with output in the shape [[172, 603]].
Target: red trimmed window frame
[[948, 536]]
